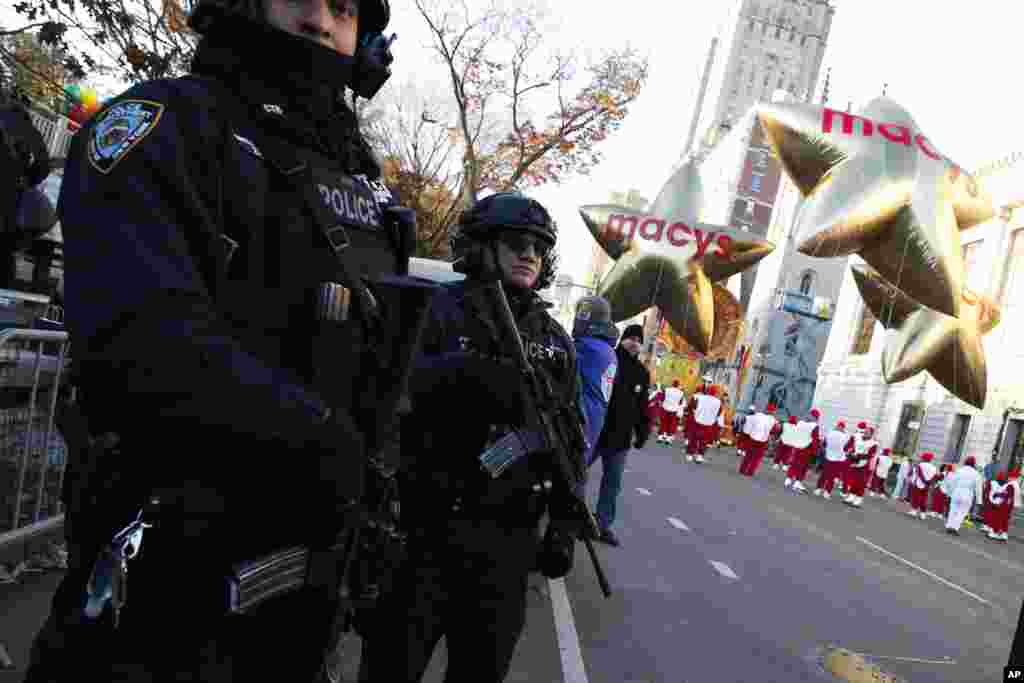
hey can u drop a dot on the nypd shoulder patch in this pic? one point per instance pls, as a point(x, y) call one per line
point(118, 129)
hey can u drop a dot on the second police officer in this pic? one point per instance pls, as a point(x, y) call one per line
point(474, 540)
point(220, 231)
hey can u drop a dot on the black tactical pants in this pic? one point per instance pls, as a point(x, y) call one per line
point(173, 630)
point(465, 580)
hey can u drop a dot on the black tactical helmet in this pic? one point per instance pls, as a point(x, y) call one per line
point(372, 58)
point(506, 211)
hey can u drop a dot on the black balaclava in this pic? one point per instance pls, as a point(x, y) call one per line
point(266, 65)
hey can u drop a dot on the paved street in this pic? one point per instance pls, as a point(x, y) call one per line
point(723, 579)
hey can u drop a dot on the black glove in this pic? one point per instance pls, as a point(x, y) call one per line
point(554, 559)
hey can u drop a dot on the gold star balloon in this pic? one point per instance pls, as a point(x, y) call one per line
point(876, 186)
point(948, 347)
point(666, 258)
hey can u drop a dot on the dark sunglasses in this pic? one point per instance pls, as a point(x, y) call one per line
point(519, 241)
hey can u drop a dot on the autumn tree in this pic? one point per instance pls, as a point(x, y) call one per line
point(522, 115)
point(33, 69)
point(405, 124)
point(133, 40)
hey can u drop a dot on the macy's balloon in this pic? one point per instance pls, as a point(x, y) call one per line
point(948, 348)
point(728, 326)
point(877, 187)
point(666, 258)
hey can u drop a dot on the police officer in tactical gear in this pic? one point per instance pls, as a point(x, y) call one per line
point(25, 212)
point(474, 539)
point(226, 237)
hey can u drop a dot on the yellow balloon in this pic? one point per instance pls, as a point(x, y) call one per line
point(88, 97)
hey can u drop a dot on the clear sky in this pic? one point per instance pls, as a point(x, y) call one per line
point(952, 65)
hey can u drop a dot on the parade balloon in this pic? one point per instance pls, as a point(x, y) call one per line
point(78, 114)
point(949, 348)
point(666, 258)
point(876, 186)
point(89, 98)
point(728, 325)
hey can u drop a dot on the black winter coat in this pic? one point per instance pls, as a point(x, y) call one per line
point(627, 410)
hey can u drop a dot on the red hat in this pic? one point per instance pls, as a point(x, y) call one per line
point(770, 409)
point(862, 425)
point(969, 460)
point(792, 419)
point(886, 451)
point(815, 413)
point(840, 425)
point(1015, 473)
point(927, 457)
point(1001, 476)
point(675, 383)
point(713, 391)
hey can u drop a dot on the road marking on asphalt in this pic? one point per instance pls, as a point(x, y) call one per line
point(644, 492)
point(925, 571)
point(944, 660)
point(678, 523)
point(724, 570)
point(573, 668)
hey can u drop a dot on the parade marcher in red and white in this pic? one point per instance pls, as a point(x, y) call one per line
point(759, 428)
point(783, 453)
point(671, 408)
point(865, 448)
point(846, 481)
point(689, 424)
point(741, 433)
point(804, 440)
point(706, 409)
point(883, 464)
point(1002, 495)
point(963, 487)
point(654, 408)
point(837, 445)
point(940, 501)
point(921, 477)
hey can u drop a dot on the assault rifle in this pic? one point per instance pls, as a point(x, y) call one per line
point(552, 425)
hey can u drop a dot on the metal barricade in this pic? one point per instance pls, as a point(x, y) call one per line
point(33, 455)
point(54, 129)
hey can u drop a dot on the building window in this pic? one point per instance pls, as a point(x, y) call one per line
point(1013, 285)
point(792, 35)
point(766, 81)
point(807, 283)
point(778, 31)
point(1010, 297)
point(764, 29)
point(755, 182)
point(803, 40)
point(750, 26)
point(780, 82)
point(865, 330)
point(974, 274)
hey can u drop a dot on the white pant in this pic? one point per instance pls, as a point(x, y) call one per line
point(958, 509)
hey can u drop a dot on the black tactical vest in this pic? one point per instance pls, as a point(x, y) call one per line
point(296, 228)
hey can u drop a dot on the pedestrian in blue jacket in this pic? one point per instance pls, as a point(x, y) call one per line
point(594, 336)
point(627, 424)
